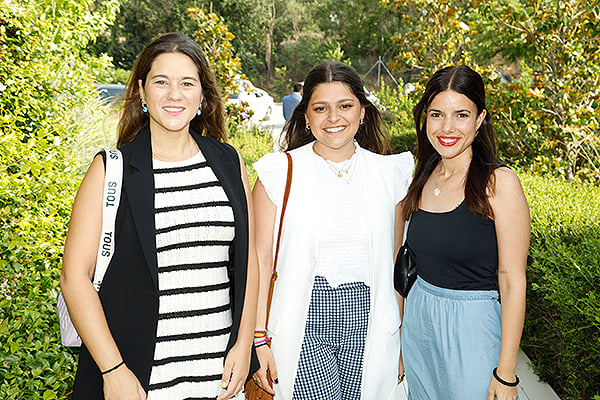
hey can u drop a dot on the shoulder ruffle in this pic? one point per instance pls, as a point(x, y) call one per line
point(272, 172)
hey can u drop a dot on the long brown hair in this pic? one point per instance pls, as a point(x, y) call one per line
point(463, 80)
point(370, 134)
point(212, 120)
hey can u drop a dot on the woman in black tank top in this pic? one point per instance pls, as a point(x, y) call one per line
point(469, 228)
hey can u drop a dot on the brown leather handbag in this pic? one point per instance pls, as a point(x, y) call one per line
point(251, 389)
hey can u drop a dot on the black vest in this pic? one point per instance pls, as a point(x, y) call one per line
point(129, 291)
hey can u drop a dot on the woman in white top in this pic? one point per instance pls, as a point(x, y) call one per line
point(334, 319)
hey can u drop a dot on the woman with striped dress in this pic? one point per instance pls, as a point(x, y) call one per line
point(175, 313)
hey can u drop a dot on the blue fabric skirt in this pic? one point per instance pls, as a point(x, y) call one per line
point(450, 342)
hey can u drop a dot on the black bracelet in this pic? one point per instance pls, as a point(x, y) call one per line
point(260, 344)
point(502, 381)
point(113, 368)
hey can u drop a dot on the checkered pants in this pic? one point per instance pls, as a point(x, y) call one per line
point(331, 357)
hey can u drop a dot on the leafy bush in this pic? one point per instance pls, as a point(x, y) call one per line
point(252, 143)
point(562, 328)
point(396, 110)
point(44, 86)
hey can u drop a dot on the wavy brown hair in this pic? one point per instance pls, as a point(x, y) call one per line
point(212, 120)
point(463, 80)
point(370, 134)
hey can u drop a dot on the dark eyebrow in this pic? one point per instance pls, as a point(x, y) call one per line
point(339, 102)
point(167, 77)
point(465, 110)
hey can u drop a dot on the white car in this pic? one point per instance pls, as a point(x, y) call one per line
point(256, 99)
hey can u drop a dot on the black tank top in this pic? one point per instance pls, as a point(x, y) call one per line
point(455, 249)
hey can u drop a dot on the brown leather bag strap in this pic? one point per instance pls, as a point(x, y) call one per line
point(286, 195)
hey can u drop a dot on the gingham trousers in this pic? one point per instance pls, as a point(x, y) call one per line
point(331, 356)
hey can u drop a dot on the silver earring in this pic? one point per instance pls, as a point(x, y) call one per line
point(144, 108)
point(362, 121)
point(199, 112)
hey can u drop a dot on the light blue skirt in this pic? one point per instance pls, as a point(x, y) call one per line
point(450, 342)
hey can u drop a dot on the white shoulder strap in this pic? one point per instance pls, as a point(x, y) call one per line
point(113, 181)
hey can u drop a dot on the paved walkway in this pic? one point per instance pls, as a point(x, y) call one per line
point(530, 387)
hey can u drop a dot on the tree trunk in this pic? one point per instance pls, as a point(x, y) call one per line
point(269, 42)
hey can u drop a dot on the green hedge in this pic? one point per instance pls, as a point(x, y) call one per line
point(45, 86)
point(562, 328)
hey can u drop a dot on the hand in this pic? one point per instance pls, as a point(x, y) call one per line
point(237, 365)
point(502, 392)
point(122, 384)
point(267, 368)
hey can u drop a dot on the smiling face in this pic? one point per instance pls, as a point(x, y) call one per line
point(172, 93)
point(334, 115)
point(452, 123)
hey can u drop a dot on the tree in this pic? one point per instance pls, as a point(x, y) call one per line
point(363, 28)
point(549, 118)
point(439, 34)
point(137, 24)
point(564, 37)
point(215, 39)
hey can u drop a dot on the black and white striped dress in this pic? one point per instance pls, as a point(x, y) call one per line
point(194, 231)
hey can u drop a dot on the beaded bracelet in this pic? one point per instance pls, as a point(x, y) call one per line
point(502, 381)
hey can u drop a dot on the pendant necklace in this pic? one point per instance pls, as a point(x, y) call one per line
point(438, 188)
point(342, 172)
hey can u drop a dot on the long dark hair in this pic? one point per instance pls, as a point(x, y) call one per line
point(212, 120)
point(370, 134)
point(463, 80)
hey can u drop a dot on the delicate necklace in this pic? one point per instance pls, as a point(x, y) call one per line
point(438, 188)
point(342, 172)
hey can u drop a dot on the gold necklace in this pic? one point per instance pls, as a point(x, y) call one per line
point(344, 170)
point(346, 167)
point(438, 188)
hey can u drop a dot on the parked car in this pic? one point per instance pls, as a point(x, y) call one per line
point(256, 99)
point(110, 94)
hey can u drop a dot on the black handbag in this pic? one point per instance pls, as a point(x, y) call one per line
point(405, 270)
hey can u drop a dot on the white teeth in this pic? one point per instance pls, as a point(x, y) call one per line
point(447, 140)
point(334, 130)
point(173, 109)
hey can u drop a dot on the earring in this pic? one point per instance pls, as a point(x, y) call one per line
point(307, 126)
point(362, 121)
point(144, 107)
point(199, 112)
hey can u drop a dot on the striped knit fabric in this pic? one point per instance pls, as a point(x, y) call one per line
point(194, 231)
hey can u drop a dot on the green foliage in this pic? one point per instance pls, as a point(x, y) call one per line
point(562, 328)
point(361, 28)
point(215, 39)
point(565, 37)
point(396, 110)
point(137, 23)
point(252, 143)
point(548, 119)
point(440, 34)
point(44, 78)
